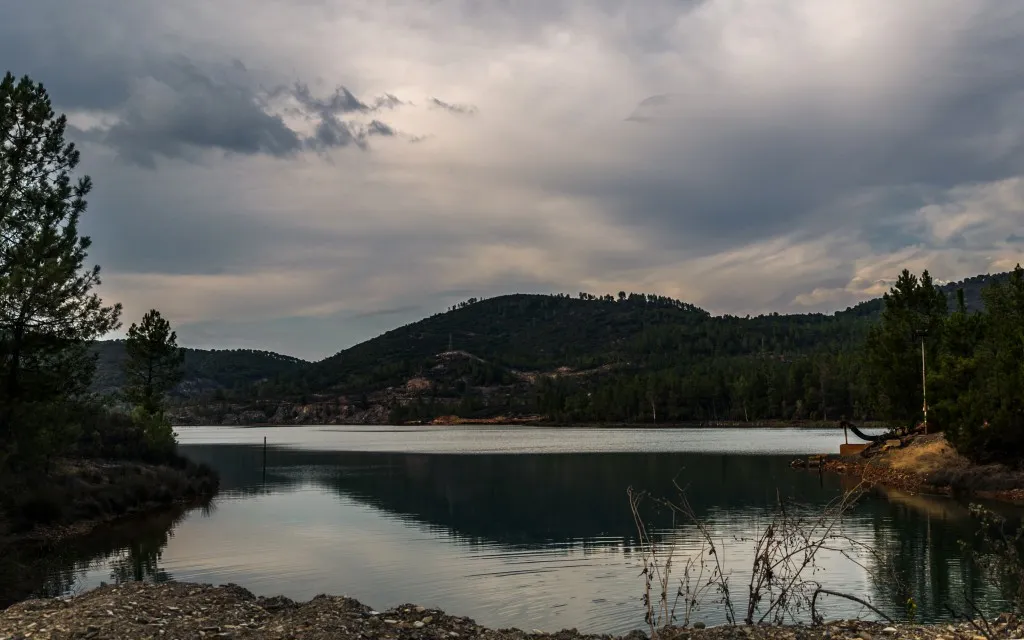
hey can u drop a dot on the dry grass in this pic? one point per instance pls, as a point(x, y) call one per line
point(925, 455)
point(928, 463)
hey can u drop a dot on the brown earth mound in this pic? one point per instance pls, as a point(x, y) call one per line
point(928, 463)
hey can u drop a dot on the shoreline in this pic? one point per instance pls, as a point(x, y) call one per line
point(187, 610)
point(548, 424)
point(928, 464)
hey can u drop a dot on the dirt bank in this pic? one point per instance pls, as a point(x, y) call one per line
point(182, 610)
point(929, 464)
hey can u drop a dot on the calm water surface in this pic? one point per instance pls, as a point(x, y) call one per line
point(512, 526)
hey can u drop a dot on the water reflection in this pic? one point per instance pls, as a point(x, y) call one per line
point(536, 541)
point(129, 550)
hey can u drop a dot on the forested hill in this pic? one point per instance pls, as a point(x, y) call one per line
point(528, 354)
point(204, 370)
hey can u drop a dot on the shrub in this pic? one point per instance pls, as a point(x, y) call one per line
point(43, 505)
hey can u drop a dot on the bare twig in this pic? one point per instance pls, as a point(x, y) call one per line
point(785, 554)
point(819, 590)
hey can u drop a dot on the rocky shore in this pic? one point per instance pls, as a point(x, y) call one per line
point(929, 464)
point(183, 610)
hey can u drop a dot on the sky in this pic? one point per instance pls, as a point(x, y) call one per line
point(302, 175)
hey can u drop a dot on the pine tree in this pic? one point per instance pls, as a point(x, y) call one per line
point(48, 311)
point(153, 363)
point(915, 310)
point(990, 418)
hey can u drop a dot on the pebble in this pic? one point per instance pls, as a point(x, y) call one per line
point(418, 624)
point(428, 619)
point(889, 630)
point(699, 625)
point(420, 609)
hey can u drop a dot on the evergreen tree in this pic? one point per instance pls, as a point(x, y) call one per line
point(48, 311)
point(987, 415)
point(153, 362)
point(915, 311)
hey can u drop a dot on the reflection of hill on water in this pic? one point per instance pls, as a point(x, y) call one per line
point(536, 500)
point(519, 499)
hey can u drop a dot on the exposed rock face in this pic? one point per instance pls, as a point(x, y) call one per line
point(327, 411)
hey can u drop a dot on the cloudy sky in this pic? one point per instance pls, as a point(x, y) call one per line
point(299, 175)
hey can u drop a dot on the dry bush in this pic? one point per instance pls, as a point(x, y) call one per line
point(782, 586)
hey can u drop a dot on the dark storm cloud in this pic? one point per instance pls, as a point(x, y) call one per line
point(458, 109)
point(175, 109)
point(178, 109)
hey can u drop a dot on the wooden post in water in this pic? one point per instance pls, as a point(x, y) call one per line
point(264, 459)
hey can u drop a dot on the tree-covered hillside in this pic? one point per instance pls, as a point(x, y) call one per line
point(203, 370)
point(588, 358)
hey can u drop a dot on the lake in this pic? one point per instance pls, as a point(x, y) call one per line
point(512, 526)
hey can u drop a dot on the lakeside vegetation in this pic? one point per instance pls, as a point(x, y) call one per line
point(65, 454)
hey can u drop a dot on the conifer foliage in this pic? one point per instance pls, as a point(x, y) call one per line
point(49, 312)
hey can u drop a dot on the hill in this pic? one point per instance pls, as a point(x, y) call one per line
point(205, 371)
point(528, 354)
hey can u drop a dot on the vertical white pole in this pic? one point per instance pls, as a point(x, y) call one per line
point(924, 390)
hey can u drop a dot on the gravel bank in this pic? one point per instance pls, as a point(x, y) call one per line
point(182, 610)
